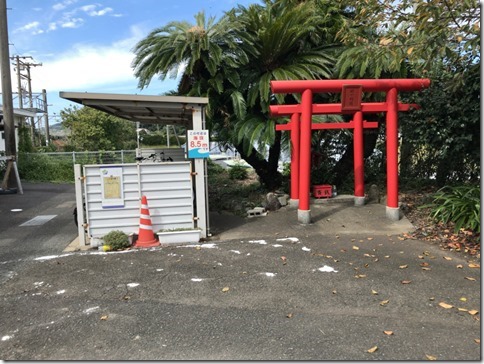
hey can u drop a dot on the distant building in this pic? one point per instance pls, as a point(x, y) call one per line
point(19, 116)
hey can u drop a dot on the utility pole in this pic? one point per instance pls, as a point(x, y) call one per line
point(46, 117)
point(23, 65)
point(11, 174)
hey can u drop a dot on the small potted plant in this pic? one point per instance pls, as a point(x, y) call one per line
point(116, 240)
point(179, 235)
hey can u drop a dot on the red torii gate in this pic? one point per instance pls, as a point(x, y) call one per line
point(301, 126)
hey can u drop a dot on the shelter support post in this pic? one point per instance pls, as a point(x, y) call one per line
point(359, 169)
point(200, 183)
point(392, 210)
point(295, 152)
point(78, 180)
point(304, 213)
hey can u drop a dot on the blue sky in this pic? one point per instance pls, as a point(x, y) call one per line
point(86, 45)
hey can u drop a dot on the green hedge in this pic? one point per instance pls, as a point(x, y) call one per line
point(43, 168)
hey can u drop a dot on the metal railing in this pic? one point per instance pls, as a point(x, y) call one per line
point(98, 157)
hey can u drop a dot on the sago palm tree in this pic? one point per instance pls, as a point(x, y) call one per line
point(193, 50)
point(232, 62)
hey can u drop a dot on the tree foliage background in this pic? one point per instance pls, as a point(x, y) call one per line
point(91, 129)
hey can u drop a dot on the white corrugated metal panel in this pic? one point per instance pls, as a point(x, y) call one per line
point(167, 187)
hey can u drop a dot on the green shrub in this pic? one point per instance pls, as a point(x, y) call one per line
point(43, 168)
point(238, 172)
point(117, 240)
point(460, 205)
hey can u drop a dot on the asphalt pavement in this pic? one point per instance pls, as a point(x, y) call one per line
point(349, 286)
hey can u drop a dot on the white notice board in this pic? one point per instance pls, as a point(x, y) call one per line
point(112, 187)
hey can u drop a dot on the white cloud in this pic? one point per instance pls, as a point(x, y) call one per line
point(62, 5)
point(91, 10)
point(84, 68)
point(72, 23)
point(91, 68)
point(30, 26)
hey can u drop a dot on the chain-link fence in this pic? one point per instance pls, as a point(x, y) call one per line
point(98, 157)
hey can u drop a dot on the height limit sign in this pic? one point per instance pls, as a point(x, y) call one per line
point(198, 144)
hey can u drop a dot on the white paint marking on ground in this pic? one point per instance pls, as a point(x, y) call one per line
point(269, 274)
point(294, 240)
point(38, 284)
point(16, 210)
point(197, 279)
point(159, 269)
point(206, 246)
point(6, 337)
point(327, 269)
point(261, 242)
point(277, 245)
point(235, 251)
point(61, 291)
point(48, 257)
point(306, 249)
point(38, 220)
point(132, 285)
point(91, 309)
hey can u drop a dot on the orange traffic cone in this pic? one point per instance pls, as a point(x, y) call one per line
point(146, 238)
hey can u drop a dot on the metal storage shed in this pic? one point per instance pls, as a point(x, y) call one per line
point(170, 110)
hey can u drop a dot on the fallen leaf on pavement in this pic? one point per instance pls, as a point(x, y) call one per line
point(463, 309)
point(374, 292)
point(477, 341)
point(383, 303)
point(460, 266)
point(445, 305)
point(369, 238)
point(388, 333)
point(470, 278)
point(463, 299)
point(373, 349)
point(425, 268)
point(424, 264)
point(104, 317)
point(284, 260)
point(355, 247)
point(447, 258)
point(403, 266)
point(472, 265)
point(473, 312)
point(225, 289)
point(406, 282)
point(430, 357)
point(289, 315)
point(360, 276)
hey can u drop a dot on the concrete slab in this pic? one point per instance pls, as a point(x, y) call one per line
point(328, 218)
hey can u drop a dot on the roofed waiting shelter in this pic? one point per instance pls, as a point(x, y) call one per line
point(163, 110)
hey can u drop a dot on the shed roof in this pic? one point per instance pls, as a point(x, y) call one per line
point(143, 108)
